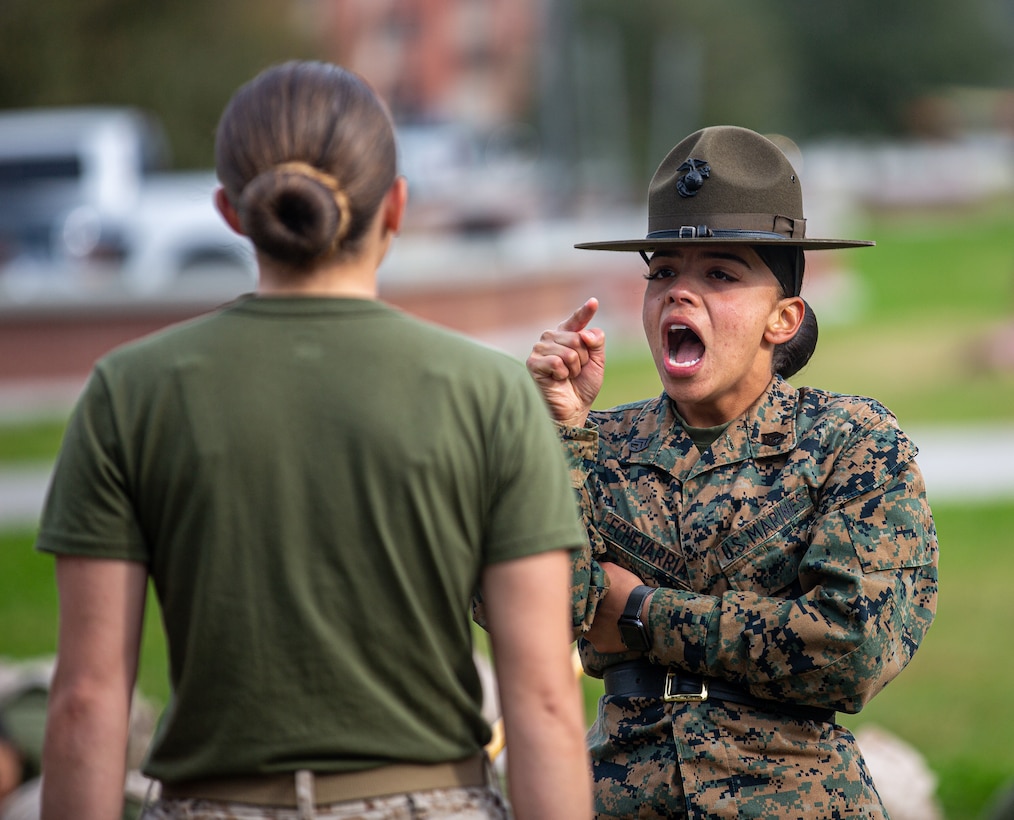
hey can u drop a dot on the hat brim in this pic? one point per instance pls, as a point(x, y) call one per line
point(652, 245)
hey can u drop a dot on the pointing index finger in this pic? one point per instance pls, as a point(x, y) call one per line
point(580, 318)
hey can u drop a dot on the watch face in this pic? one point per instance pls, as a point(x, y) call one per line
point(632, 632)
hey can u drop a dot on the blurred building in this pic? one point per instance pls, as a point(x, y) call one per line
point(462, 78)
point(471, 60)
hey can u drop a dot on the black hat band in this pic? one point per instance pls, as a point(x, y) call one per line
point(733, 226)
point(704, 232)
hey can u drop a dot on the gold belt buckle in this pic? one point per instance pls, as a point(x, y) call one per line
point(683, 697)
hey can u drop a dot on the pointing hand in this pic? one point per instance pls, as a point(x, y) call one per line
point(568, 364)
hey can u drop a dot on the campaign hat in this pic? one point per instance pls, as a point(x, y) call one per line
point(724, 184)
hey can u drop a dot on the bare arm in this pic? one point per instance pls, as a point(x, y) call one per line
point(528, 609)
point(604, 633)
point(84, 756)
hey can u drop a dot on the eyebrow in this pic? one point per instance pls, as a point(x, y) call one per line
point(727, 256)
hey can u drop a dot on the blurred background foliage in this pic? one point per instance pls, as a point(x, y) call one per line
point(806, 69)
point(180, 60)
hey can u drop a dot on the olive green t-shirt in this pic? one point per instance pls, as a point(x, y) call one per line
point(315, 486)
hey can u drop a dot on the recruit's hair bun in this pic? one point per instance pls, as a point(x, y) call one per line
point(295, 213)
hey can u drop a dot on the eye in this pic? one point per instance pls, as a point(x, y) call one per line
point(722, 275)
point(660, 273)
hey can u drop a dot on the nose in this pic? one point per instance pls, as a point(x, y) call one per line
point(680, 292)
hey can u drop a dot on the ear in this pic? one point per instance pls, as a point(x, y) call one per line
point(394, 205)
point(228, 212)
point(785, 320)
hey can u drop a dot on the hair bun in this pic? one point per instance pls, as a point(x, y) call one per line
point(295, 213)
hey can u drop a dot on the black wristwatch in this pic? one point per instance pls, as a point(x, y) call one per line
point(632, 629)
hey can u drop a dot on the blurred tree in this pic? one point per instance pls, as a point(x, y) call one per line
point(686, 65)
point(808, 68)
point(623, 78)
point(179, 60)
point(861, 67)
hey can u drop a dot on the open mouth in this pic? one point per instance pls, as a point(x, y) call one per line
point(685, 347)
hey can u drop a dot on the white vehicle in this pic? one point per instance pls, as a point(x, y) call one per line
point(178, 241)
point(84, 197)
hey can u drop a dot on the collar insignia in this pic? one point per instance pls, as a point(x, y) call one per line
point(638, 445)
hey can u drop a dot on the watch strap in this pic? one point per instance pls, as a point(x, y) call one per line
point(632, 629)
point(632, 611)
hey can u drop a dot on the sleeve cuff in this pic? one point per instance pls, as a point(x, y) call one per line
point(679, 622)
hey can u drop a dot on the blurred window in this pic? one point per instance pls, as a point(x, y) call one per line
point(41, 169)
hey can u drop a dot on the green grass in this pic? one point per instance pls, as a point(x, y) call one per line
point(23, 442)
point(958, 264)
point(935, 286)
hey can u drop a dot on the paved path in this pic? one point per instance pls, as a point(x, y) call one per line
point(967, 465)
point(959, 465)
point(22, 490)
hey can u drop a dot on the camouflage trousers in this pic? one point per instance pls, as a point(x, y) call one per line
point(634, 765)
point(467, 803)
point(702, 761)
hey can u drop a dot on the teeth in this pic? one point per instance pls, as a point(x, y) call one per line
point(674, 363)
point(675, 328)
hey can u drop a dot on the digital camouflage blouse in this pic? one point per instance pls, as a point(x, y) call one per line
point(796, 557)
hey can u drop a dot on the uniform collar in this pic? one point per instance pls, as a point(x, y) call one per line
point(767, 429)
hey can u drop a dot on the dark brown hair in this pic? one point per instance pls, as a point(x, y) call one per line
point(787, 265)
point(306, 153)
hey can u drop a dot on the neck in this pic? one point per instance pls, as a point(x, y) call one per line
point(352, 278)
point(335, 281)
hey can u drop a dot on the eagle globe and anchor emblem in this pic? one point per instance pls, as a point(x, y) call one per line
point(694, 171)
